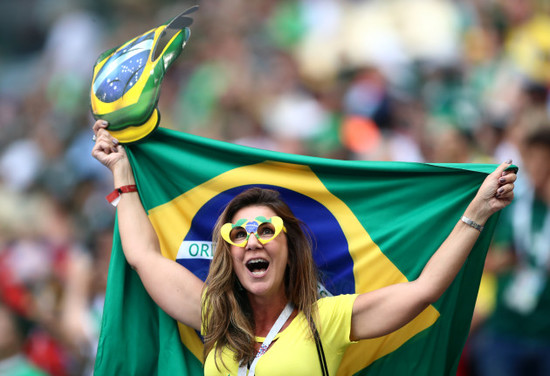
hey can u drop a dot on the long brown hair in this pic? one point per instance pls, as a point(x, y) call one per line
point(228, 319)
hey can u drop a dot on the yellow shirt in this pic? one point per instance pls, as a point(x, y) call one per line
point(294, 352)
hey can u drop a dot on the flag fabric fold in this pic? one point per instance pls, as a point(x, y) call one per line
point(373, 223)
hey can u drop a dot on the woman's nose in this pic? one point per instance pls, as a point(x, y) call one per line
point(253, 242)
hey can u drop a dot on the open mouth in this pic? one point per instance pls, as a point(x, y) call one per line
point(257, 266)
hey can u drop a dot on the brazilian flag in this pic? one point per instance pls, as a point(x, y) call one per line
point(375, 223)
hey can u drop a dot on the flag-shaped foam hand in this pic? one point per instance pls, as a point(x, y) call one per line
point(126, 79)
point(374, 223)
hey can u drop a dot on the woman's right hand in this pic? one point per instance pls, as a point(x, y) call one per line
point(163, 278)
point(106, 149)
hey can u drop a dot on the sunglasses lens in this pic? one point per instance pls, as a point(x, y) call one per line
point(266, 231)
point(238, 235)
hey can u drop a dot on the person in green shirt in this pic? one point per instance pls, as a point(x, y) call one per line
point(516, 337)
point(13, 361)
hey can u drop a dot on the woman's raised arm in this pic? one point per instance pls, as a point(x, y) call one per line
point(385, 310)
point(174, 288)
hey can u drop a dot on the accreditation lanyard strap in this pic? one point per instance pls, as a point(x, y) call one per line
point(285, 314)
point(531, 243)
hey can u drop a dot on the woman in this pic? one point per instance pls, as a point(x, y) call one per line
point(262, 280)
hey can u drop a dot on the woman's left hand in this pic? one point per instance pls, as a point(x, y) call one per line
point(496, 192)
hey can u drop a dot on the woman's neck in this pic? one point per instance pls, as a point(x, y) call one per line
point(266, 311)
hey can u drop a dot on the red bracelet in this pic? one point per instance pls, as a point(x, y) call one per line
point(114, 196)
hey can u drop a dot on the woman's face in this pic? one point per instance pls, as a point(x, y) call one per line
point(260, 267)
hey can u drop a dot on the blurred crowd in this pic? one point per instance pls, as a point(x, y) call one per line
point(396, 80)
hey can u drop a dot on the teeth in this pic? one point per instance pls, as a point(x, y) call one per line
point(258, 265)
point(256, 261)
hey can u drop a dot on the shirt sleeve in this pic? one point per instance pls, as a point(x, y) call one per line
point(335, 321)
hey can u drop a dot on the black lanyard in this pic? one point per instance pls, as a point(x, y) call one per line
point(321, 353)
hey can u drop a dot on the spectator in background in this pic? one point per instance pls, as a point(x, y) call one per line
point(516, 337)
point(13, 362)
